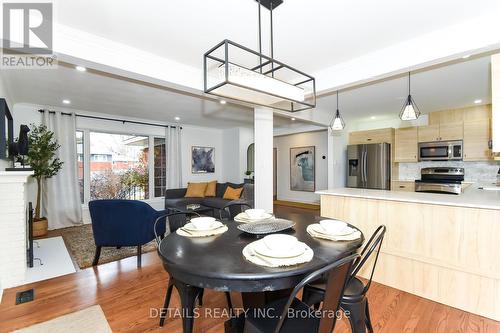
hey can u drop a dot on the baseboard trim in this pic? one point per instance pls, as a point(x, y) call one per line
point(296, 204)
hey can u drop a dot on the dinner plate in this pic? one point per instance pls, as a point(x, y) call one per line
point(261, 249)
point(319, 229)
point(262, 228)
point(190, 226)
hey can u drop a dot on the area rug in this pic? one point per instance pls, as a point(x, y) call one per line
point(91, 319)
point(80, 242)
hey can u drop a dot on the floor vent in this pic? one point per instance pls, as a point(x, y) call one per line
point(25, 296)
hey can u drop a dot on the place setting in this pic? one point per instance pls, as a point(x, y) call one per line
point(278, 250)
point(334, 230)
point(204, 226)
point(258, 222)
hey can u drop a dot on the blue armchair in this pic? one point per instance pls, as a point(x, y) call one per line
point(123, 223)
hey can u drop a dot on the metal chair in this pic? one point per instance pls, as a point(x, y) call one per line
point(158, 239)
point(354, 300)
point(231, 208)
point(304, 321)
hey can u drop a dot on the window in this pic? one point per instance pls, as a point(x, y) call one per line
point(79, 161)
point(118, 166)
point(160, 167)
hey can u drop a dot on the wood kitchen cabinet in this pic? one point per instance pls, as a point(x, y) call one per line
point(451, 131)
point(372, 136)
point(477, 136)
point(441, 132)
point(406, 145)
point(428, 133)
point(403, 185)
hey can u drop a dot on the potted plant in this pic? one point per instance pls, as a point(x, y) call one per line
point(42, 159)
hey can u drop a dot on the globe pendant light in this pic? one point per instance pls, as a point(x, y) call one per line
point(337, 123)
point(410, 109)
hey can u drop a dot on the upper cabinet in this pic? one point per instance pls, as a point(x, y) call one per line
point(477, 136)
point(406, 146)
point(428, 133)
point(446, 131)
point(371, 136)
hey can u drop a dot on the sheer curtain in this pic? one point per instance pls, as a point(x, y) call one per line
point(174, 156)
point(61, 194)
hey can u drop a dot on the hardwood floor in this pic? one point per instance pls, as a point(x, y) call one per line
point(127, 295)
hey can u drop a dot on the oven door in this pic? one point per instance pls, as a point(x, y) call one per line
point(433, 152)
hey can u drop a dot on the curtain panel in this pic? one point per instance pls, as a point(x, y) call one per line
point(61, 202)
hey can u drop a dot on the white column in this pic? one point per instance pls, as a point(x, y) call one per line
point(263, 134)
point(13, 264)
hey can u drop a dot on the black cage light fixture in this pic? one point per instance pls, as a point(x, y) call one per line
point(337, 123)
point(410, 110)
point(236, 72)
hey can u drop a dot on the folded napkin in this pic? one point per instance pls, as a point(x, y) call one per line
point(206, 233)
point(250, 255)
point(310, 230)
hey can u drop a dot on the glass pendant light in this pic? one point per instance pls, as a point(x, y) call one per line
point(337, 123)
point(410, 109)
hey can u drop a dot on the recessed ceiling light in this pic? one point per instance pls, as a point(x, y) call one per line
point(373, 117)
point(293, 119)
point(466, 56)
point(80, 68)
point(478, 101)
point(222, 102)
point(66, 101)
point(177, 118)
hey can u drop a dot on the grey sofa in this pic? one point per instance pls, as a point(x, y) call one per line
point(175, 200)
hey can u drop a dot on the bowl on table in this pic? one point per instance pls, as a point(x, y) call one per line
point(203, 223)
point(333, 227)
point(280, 243)
point(255, 213)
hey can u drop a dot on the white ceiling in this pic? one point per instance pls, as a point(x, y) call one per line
point(309, 34)
point(453, 86)
point(97, 92)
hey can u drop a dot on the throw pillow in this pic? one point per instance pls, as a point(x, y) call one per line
point(210, 191)
point(196, 190)
point(232, 193)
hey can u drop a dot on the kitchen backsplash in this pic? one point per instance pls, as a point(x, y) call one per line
point(474, 171)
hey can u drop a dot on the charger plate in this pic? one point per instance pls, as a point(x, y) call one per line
point(267, 227)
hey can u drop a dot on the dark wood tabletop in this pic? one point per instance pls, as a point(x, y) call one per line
point(217, 262)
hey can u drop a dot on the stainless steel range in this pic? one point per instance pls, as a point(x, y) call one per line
point(440, 180)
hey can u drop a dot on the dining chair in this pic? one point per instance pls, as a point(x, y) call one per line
point(354, 300)
point(233, 208)
point(295, 316)
point(158, 238)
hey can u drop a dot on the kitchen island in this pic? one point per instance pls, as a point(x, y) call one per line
point(439, 246)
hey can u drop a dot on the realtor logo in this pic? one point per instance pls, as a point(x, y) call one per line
point(27, 28)
point(27, 36)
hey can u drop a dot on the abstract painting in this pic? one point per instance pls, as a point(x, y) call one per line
point(302, 169)
point(202, 159)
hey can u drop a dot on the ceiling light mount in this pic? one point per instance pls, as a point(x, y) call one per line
point(270, 4)
point(410, 110)
point(236, 72)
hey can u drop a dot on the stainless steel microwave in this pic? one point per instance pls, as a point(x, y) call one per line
point(440, 151)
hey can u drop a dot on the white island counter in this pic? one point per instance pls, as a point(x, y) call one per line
point(472, 196)
point(439, 246)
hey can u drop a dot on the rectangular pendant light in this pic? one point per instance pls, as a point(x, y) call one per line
point(236, 72)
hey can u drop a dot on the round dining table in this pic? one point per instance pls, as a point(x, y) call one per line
point(217, 262)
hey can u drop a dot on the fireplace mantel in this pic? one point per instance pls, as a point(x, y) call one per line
point(13, 227)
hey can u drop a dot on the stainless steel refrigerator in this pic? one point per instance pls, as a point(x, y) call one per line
point(369, 166)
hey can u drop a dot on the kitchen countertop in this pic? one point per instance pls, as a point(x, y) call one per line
point(471, 197)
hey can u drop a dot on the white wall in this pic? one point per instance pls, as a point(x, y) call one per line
point(283, 144)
